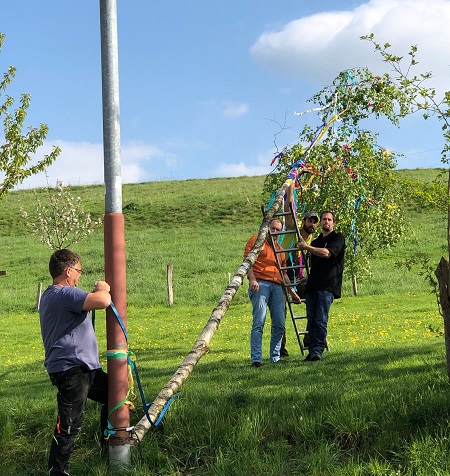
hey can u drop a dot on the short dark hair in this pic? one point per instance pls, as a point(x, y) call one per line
point(329, 211)
point(61, 260)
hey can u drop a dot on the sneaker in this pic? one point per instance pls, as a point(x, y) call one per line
point(315, 357)
point(307, 358)
point(284, 353)
point(257, 365)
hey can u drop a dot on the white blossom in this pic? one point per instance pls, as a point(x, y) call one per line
point(60, 222)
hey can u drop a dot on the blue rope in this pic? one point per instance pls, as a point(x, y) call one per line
point(119, 320)
point(132, 363)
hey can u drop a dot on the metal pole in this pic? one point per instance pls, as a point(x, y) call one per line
point(114, 238)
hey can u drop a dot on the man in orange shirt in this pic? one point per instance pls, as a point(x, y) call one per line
point(265, 291)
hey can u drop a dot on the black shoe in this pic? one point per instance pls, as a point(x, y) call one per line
point(257, 365)
point(307, 358)
point(315, 357)
point(284, 353)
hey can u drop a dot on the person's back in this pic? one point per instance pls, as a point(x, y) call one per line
point(67, 331)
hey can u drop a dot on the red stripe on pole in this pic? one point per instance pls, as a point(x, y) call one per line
point(115, 275)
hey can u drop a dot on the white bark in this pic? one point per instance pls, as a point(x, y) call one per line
point(202, 344)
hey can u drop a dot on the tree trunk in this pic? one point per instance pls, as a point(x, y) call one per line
point(202, 344)
point(442, 273)
point(355, 285)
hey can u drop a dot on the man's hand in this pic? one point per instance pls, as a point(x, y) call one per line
point(101, 286)
point(99, 298)
point(253, 285)
point(301, 243)
point(294, 296)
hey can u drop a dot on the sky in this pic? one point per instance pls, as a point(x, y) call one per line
point(205, 85)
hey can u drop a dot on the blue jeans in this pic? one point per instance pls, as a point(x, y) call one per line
point(317, 307)
point(74, 387)
point(270, 295)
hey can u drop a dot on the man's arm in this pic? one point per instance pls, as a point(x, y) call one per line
point(320, 252)
point(294, 296)
point(288, 220)
point(334, 247)
point(99, 298)
point(253, 284)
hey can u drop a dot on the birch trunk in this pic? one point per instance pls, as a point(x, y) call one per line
point(202, 343)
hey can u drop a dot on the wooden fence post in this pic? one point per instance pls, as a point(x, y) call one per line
point(38, 297)
point(169, 283)
point(355, 285)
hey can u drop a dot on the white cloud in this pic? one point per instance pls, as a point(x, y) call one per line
point(81, 163)
point(236, 110)
point(260, 166)
point(240, 169)
point(318, 47)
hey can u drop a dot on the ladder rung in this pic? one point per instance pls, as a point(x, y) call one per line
point(297, 266)
point(287, 250)
point(282, 214)
point(292, 285)
point(283, 232)
point(296, 302)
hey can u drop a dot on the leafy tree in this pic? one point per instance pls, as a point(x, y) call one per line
point(18, 148)
point(342, 168)
point(416, 97)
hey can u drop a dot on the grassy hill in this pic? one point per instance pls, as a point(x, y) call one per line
point(376, 405)
point(198, 226)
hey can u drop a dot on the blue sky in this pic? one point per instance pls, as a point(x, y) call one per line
point(203, 83)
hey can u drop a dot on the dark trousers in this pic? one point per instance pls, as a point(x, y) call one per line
point(74, 386)
point(317, 308)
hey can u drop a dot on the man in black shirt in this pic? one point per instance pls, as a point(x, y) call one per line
point(324, 281)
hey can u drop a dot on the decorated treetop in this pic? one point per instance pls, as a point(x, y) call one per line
point(339, 166)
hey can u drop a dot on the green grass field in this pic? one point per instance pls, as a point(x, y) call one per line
point(378, 404)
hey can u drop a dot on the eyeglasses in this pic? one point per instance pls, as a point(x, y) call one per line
point(79, 271)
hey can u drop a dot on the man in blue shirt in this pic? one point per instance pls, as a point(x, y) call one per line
point(71, 351)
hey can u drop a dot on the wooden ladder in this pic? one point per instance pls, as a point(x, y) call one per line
point(297, 319)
